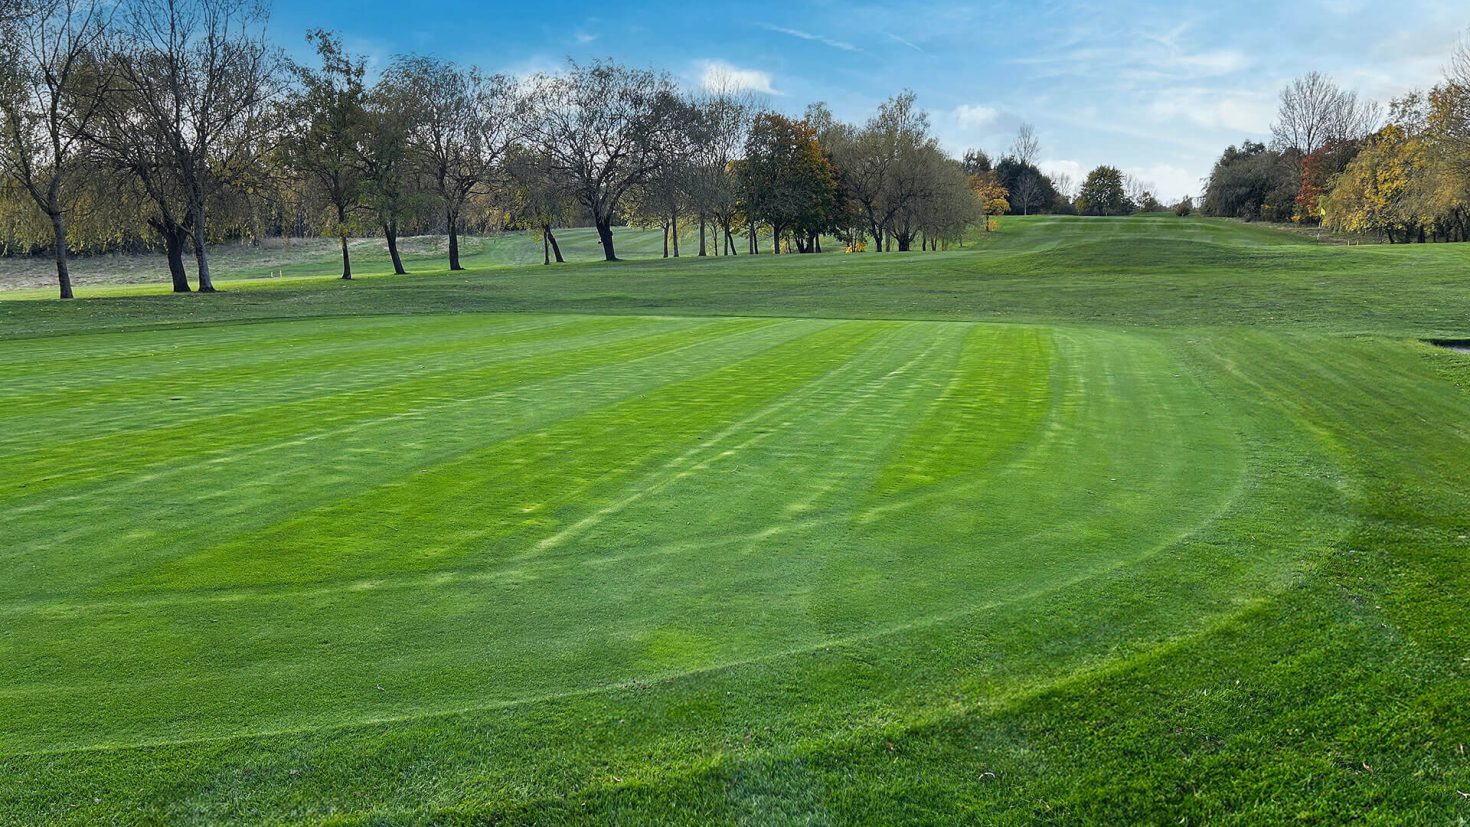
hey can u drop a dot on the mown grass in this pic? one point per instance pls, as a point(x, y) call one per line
point(1128, 556)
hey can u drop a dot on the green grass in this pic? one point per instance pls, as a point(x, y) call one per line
point(1134, 521)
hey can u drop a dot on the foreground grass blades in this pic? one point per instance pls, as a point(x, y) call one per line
point(530, 567)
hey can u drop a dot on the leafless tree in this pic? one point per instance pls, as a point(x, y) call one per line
point(721, 120)
point(1134, 188)
point(197, 83)
point(880, 164)
point(1315, 111)
point(1065, 185)
point(605, 127)
point(463, 125)
point(1457, 93)
point(48, 101)
point(1027, 146)
point(1030, 191)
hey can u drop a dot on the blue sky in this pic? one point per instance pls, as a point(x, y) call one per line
point(1157, 88)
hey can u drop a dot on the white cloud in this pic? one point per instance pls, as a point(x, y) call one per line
point(1167, 182)
point(975, 115)
point(718, 75)
point(1245, 110)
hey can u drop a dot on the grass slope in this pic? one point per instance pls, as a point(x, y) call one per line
point(277, 259)
point(1153, 271)
point(387, 563)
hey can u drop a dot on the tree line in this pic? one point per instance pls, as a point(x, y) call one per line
point(174, 124)
point(1400, 173)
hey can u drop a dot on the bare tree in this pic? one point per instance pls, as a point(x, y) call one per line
point(880, 164)
point(721, 119)
point(605, 127)
point(1027, 147)
point(48, 99)
point(1138, 191)
point(1457, 75)
point(1030, 191)
point(1065, 185)
point(383, 157)
point(1315, 111)
point(463, 124)
point(199, 78)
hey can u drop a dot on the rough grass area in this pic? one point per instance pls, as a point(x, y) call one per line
point(1083, 546)
point(278, 258)
point(1152, 271)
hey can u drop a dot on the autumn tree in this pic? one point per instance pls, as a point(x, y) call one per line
point(49, 100)
point(1319, 169)
point(787, 181)
point(993, 198)
point(1373, 194)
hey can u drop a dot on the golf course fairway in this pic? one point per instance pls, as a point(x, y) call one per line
point(956, 545)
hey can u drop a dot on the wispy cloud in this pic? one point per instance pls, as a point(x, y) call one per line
point(817, 38)
point(896, 39)
point(717, 76)
point(584, 37)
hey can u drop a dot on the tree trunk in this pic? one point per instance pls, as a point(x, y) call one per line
point(453, 216)
point(674, 229)
point(605, 236)
point(390, 233)
point(63, 271)
point(775, 240)
point(545, 246)
point(666, 240)
point(701, 235)
point(173, 243)
point(342, 229)
point(555, 248)
point(201, 256)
